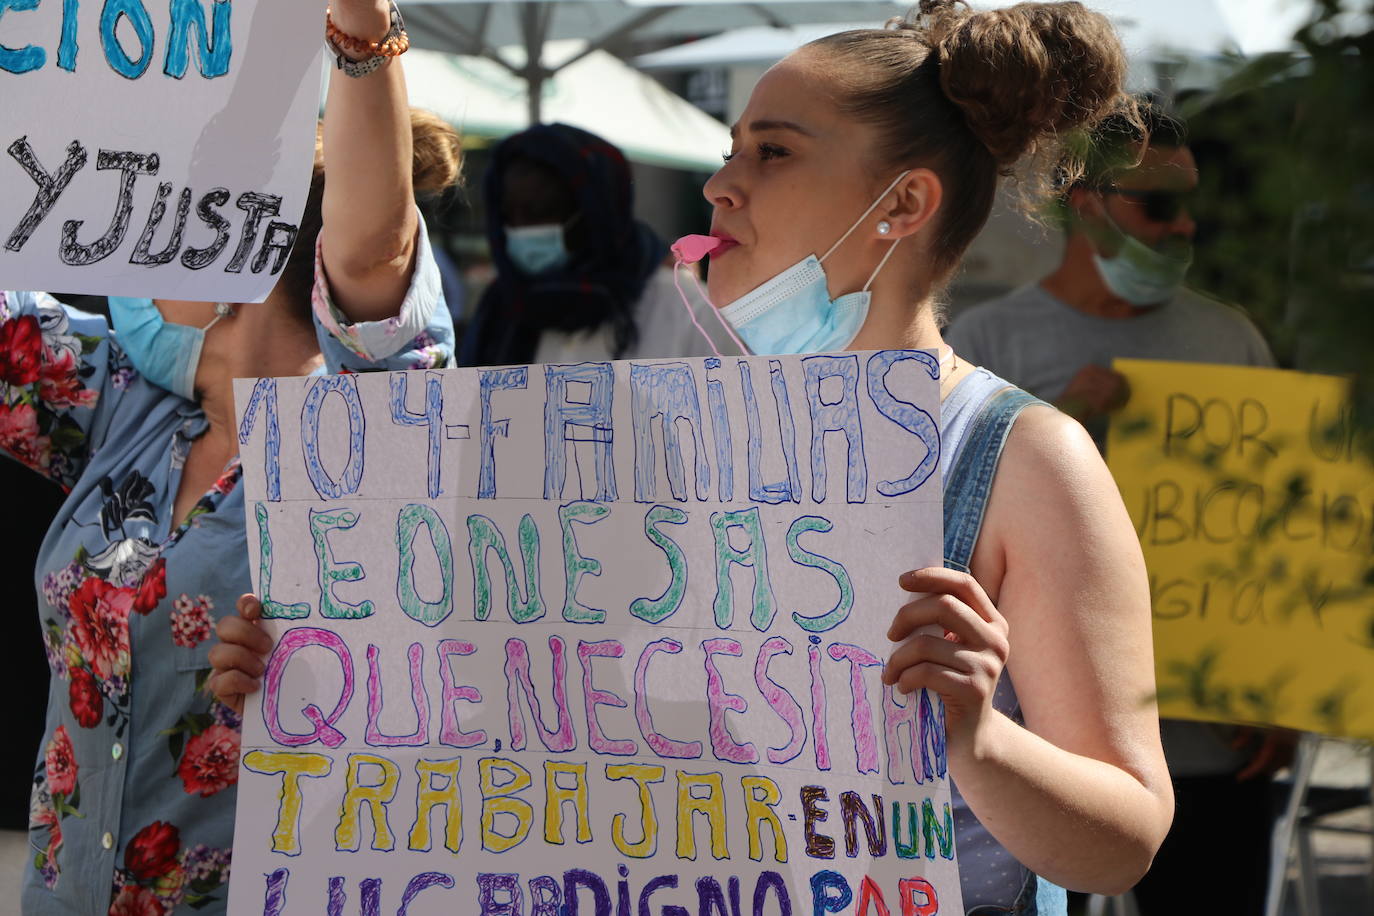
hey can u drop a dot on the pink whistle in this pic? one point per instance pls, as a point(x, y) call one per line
point(692, 248)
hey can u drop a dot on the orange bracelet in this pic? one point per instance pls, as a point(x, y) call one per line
point(395, 43)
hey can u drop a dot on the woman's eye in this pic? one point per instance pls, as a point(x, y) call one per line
point(726, 157)
point(769, 151)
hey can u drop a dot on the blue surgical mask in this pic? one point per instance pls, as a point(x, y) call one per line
point(164, 353)
point(793, 311)
point(1142, 275)
point(538, 249)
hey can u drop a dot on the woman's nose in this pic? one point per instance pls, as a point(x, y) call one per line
point(721, 190)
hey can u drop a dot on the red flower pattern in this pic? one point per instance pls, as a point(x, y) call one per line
point(152, 588)
point(136, 901)
point(21, 350)
point(153, 851)
point(84, 696)
point(19, 435)
point(60, 385)
point(60, 760)
point(191, 621)
point(100, 613)
point(211, 761)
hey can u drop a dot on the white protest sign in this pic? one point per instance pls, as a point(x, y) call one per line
point(155, 147)
point(593, 639)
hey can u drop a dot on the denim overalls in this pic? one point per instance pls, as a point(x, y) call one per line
point(974, 422)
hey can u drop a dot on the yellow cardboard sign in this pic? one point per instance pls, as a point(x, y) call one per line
point(1254, 503)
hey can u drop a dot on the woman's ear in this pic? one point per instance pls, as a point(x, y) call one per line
point(915, 201)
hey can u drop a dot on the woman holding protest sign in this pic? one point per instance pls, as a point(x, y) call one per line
point(1061, 776)
point(133, 796)
point(882, 148)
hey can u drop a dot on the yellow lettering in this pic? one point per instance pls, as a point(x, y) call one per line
point(643, 775)
point(292, 765)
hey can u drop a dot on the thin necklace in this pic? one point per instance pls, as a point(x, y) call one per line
point(947, 362)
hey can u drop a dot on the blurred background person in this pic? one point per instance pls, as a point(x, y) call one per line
point(1118, 293)
point(1118, 289)
point(577, 276)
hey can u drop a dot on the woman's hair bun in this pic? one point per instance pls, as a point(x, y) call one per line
point(437, 159)
point(1024, 73)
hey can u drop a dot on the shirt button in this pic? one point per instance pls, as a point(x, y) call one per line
point(117, 750)
point(107, 840)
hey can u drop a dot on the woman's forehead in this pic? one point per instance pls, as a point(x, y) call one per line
point(794, 93)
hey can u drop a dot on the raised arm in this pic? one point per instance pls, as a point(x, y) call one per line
point(368, 241)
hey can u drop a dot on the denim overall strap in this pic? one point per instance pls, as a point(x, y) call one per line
point(970, 479)
point(967, 487)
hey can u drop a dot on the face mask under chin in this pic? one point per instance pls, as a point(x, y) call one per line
point(164, 353)
point(792, 312)
point(1141, 275)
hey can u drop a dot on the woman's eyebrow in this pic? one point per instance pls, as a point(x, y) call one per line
point(766, 125)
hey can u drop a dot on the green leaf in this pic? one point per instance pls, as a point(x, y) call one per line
point(200, 903)
point(199, 722)
point(88, 343)
point(174, 744)
point(40, 860)
point(67, 438)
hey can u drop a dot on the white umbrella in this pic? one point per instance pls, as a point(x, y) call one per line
point(1148, 29)
point(756, 45)
point(596, 92)
point(483, 28)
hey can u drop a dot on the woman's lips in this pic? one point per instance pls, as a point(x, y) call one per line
point(726, 243)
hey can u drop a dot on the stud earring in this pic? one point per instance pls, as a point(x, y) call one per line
point(884, 227)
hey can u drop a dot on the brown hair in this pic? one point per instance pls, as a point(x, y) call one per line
point(970, 94)
point(436, 164)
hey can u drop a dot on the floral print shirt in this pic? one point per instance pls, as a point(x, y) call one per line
point(132, 810)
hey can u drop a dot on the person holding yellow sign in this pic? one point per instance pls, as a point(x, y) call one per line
point(1118, 292)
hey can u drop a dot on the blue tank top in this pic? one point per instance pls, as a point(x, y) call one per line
point(975, 419)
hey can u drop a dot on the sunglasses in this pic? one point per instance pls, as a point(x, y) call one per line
point(1159, 206)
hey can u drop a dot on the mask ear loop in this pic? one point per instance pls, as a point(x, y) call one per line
point(222, 310)
point(859, 222)
point(877, 270)
point(691, 312)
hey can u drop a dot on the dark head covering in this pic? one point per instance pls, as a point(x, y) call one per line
point(604, 280)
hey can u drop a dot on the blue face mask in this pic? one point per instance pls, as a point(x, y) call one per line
point(537, 250)
point(793, 311)
point(1142, 275)
point(164, 353)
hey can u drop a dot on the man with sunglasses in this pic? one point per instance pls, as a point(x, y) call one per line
point(1118, 292)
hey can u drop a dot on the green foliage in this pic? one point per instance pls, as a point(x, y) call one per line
point(1286, 208)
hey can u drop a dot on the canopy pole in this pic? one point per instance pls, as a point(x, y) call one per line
point(535, 26)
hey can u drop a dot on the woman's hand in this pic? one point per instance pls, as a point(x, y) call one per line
point(238, 657)
point(963, 661)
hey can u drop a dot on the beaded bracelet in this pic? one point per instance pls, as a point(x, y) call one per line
point(393, 44)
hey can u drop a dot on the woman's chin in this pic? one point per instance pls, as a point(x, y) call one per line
point(723, 288)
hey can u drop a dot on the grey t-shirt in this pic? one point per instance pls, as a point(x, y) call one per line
point(1039, 342)
point(1035, 340)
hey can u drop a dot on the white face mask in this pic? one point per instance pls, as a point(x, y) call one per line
point(1142, 275)
point(793, 311)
